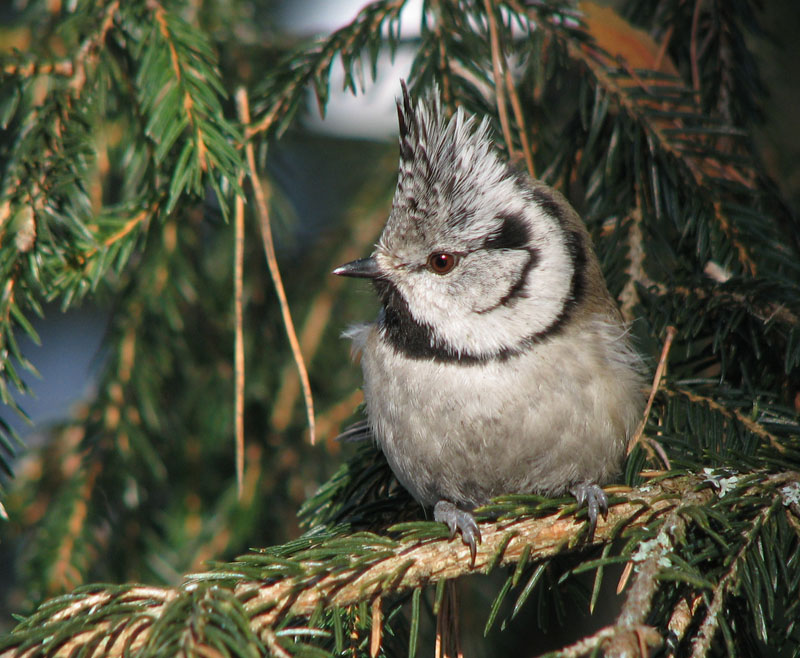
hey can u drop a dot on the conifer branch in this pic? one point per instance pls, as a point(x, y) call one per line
point(106, 173)
point(73, 68)
point(702, 641)
point(733, 414)
point(392, 567)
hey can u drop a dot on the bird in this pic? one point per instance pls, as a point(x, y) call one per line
point(499, 363)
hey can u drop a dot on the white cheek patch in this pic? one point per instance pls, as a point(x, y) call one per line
point(489, 293)
point(468, 318)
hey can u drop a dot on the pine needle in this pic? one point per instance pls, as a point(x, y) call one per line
point(662, 364)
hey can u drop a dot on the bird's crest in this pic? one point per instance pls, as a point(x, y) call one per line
point(442, 159)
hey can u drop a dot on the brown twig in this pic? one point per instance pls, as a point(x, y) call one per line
point(693, 48)
point(513, 96)
point(272, 262)
point(662, 364)
point(448, 638)
point(63, 574)
point(317, 320)
point(160, 16)
point(377, 628)
point(238, 368)
point(635, 270)
point(702, 640)
point(497, 69)
point(74, 68)
point(662, 50)
point(682, 615)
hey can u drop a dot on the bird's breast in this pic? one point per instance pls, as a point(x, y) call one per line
point(537, 422)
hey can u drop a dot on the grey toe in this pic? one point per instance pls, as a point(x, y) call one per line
point(459, 520)
point(589, 494)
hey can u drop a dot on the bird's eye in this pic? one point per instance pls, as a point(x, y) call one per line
point(442, 263)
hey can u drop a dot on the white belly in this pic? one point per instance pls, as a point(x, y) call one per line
point(539, 422)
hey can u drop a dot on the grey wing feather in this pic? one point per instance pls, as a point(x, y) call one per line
point(360, 431)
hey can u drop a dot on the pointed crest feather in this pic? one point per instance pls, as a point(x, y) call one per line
point(442, 159)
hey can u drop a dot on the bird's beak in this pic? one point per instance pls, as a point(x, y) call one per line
point(364, 268)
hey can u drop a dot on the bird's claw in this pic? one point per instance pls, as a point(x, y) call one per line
point(594, 498)
point(459, 520)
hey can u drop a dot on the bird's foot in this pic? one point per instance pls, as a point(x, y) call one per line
point(459, 520)
point(594, 498)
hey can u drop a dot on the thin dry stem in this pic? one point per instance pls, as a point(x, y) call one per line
point(320, 309)
point(662, 364)
point(623, 579)
point(516, 105)
point(238, 395)
point(262, 209)
point(448, 637)
point(63, 573)
point(662, 49)
point(377, 628)
point(693, 47)
point(497, 70)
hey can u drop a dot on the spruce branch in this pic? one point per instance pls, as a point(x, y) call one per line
point(311, 67)
point(734, 414)
point(385, 567)
point(656, 521)
point(674, 127)
point(683, 219)
point(73, 68)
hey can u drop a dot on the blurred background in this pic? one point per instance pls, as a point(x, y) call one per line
point(324, 162)
point(331, 180)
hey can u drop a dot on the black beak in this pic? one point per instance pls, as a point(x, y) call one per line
point(363, 268)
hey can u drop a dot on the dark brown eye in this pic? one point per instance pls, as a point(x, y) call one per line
point(442, 263)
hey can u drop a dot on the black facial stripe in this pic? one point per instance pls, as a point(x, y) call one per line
point(416, 340)
point(577, 255)
point(513, 234)
point(518, 289)
point(576, 250)
point(575, 241)
point(410, 337)
point(547, 202)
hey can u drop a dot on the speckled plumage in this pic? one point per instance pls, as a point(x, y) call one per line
point(512, 371)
